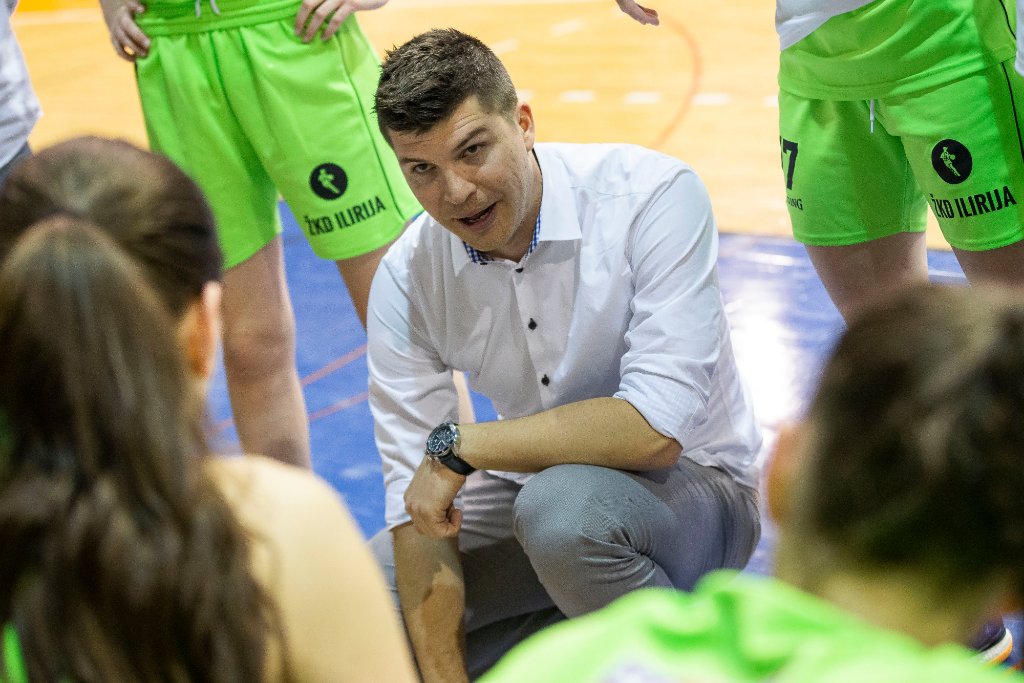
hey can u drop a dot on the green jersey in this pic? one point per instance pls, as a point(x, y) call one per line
point(895, 47)
point(733, 628)
point(12, 669)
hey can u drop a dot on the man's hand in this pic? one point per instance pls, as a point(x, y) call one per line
point(316, 12)
point(128, 40)
point(429, 500)
point(641, 14)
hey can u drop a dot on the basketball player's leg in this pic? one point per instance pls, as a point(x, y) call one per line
point(344, 186)
point(1001, 266)
point(357, 273)
point(856, 274)
point(194, 74)
point(259, 359)
point(969, 161)
point(851, 198)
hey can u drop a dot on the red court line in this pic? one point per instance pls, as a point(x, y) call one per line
point(334, 365)
point(339, 406)
point(314, 376)
point(698, 71)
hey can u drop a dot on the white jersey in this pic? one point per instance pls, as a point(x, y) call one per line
point(19, 108)
point(797, 19)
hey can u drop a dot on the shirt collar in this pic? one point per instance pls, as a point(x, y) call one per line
point(482, 258)
point(557, 214)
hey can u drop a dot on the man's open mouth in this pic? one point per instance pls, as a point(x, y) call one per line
point(477, 217)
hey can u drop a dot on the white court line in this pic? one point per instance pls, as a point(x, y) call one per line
point(503, 47)
point(642, 98)
point(578, 96)
point(567, 27)
point(771, 101)
point(524, 95)
point(712, 99)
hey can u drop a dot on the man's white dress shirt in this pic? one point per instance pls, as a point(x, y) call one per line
point(620, 298)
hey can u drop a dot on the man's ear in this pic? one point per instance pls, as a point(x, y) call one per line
point(524, 118)
point(783, 467)
point(200, 331)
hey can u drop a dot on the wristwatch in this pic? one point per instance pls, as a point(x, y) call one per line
point(442, 444)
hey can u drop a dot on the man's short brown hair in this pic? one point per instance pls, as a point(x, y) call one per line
point(426, 79)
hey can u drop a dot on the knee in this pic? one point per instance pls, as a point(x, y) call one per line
point(558, 517)
point(256, 348)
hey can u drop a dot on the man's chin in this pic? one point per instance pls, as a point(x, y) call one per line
point(483, 248)
point(479, 242)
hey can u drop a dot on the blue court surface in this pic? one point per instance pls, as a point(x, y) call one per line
point(783, 327)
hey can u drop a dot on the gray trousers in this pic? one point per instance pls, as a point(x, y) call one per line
point(575, 537)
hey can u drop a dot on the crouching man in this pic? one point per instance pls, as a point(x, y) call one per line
point(577, 287)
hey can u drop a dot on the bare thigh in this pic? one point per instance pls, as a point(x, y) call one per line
point(857, 274)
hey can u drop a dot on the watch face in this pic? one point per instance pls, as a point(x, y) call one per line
point(441, 439)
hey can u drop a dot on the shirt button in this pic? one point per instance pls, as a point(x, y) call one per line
point(545, 381)
point(532, 324)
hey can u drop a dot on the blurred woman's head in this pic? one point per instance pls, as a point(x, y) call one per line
point(145, 203)
point(122, 560)
point(912, 455)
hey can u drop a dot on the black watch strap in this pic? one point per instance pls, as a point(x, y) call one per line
point(455, 464)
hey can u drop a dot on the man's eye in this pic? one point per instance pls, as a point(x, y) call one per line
point(420, 168)
point(473, 149)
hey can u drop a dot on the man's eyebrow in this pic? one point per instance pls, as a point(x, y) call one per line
point(462, 143)
point(470, 135)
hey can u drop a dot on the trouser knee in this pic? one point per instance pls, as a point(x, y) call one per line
point(558, 524)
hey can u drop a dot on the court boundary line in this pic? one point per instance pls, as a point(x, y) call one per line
point(698, 72)
point(338, 363)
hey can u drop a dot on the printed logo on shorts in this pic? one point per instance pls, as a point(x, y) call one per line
point(952, 161)
point(328, 181)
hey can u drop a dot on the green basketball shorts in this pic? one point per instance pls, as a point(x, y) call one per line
point(249, 111)
point(957, 148)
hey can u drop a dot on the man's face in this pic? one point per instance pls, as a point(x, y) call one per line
point(474, 173)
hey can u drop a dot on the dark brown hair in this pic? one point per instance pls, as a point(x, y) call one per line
point(121, 560)
point(426, 79)
point(142, 200)
point(916, 437)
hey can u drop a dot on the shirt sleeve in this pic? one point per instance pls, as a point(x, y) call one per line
point(411, 389)
point(677, 328)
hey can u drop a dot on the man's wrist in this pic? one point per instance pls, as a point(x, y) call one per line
point(443, 447)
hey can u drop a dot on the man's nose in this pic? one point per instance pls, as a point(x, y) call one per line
point(457, 188)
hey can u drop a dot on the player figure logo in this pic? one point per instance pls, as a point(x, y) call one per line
point(952, 161)
point(946, 157)
point(328, 181)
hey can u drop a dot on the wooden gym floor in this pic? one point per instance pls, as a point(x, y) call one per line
point(700, 87)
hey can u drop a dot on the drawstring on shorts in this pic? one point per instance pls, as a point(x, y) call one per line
point(213, 6)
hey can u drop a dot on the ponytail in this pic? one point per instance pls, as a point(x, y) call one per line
point(121, 560)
